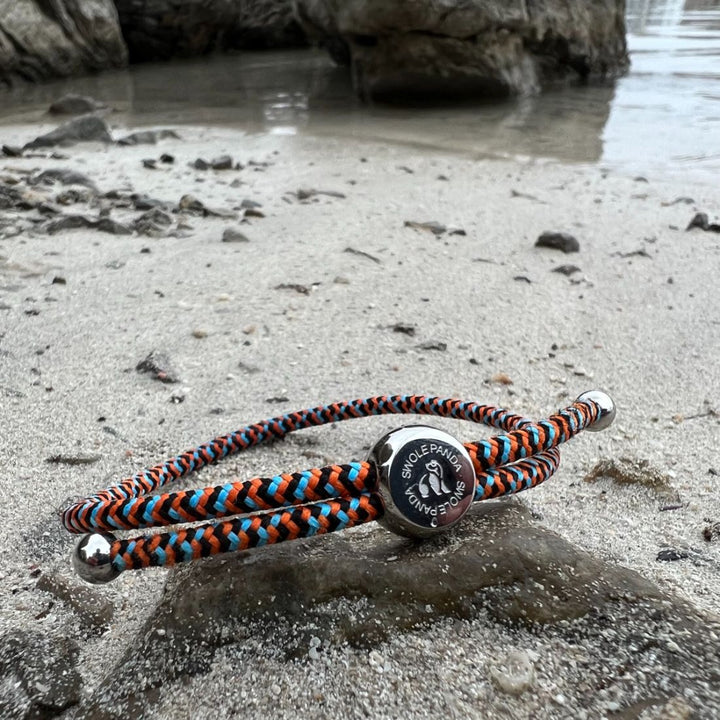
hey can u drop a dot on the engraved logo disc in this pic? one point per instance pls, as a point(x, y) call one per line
point(426, 480)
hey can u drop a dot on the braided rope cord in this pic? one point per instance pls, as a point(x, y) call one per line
point(315, 501)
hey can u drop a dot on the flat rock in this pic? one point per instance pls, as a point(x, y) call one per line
point(148, 137)
point(558, 241)
point(365, 586)
point(496, 558)
point(75, 105)
point(419, 49)
point(87, 128)
point(496, 554)
point(437, 345)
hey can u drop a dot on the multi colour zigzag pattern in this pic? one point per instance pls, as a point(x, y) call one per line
point(315, 501)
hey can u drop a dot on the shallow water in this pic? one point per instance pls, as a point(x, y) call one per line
point(662, 119)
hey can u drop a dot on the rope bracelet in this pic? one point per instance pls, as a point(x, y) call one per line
point(417, 481)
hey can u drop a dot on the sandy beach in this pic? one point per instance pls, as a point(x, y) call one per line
point(303, 312)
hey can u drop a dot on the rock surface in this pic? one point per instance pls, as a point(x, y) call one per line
point(498, 557)
point(86, 128)
point(477, 47)
point(169, 28)
point(360, 589)
point(40, 40)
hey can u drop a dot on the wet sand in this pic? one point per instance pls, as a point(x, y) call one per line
point(292, 318)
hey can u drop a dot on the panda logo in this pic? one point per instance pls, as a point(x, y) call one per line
point(432, 481)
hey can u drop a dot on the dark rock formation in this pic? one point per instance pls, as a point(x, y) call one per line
point(477, 47)
point(41, 39)
point(170, 28)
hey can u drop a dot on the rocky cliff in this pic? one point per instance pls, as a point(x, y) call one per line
point(487, 47)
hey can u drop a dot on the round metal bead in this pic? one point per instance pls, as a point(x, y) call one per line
point(91, 559)
point(607, 408)
point(426, 480)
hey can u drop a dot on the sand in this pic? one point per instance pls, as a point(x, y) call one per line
point(643, 326)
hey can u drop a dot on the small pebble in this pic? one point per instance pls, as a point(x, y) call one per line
point(514, 673)
point(558, 241)
point(230, 235)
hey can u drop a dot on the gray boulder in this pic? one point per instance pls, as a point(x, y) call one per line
point(475, 47)
point(40, 40)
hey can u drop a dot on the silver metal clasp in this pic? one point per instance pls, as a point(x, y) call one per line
point(426, 480)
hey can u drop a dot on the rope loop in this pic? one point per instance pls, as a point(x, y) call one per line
point(263, 511)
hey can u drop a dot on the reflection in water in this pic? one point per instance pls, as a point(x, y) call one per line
point(642, 14)
point(664, 117)
point(666, 112)
point(302, 91)
point(284, 112)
